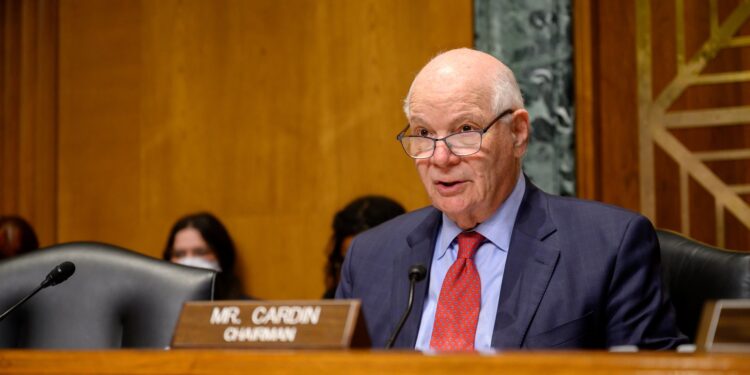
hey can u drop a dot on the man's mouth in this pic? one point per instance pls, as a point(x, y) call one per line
point(450, 187)
point(448, 183)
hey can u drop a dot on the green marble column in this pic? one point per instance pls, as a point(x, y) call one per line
point(534, 38)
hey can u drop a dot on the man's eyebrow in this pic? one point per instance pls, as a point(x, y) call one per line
point(466, 120)
point(459, 119)
point(417, 121)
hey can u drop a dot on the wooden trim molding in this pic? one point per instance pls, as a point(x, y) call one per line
point(587, 147)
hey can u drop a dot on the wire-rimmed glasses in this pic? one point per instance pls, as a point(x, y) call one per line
point(460, 144)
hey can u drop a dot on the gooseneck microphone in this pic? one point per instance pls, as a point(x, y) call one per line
point(417, 273)
point(58, 274)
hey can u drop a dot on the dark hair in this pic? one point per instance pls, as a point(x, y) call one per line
point(27, 237)
point(218, 239)
point(359, 215)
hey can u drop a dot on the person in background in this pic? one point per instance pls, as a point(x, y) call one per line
point(359, 215)
point(201, 240)
point(16, 236)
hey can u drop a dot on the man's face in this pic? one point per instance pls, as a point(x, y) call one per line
point(468, 189)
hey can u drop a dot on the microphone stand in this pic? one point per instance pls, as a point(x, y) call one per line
point(416, 273)
point(19, 303)
point(60, 273)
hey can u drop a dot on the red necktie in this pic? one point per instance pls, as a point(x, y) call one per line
point(460, 297)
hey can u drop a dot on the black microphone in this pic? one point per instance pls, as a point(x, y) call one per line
point(417, 273)
point(58, 274)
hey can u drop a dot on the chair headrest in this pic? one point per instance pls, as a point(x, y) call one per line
point(115, 298)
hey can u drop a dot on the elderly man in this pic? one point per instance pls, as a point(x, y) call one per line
point(509, 266)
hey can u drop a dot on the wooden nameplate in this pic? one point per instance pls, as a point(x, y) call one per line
point(725, 326)
point(313, 324)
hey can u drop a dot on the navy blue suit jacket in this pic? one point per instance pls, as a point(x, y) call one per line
point(579, 274)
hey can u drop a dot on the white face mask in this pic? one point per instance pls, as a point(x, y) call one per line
point(200, 263)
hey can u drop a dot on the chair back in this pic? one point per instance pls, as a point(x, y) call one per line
point(116, 298)
point(694, 273)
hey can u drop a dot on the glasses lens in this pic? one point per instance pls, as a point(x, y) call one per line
point(418, 147)
point(466, 143)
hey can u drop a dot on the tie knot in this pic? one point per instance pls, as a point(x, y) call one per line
point(468, 243)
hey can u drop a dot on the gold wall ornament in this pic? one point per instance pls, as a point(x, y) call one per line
point(655, 121)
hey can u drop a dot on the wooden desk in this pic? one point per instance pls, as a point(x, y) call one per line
point(227, 362)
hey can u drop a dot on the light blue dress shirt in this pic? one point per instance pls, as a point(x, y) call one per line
point(489, 259)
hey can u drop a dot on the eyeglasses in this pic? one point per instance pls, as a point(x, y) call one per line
point(460, 144)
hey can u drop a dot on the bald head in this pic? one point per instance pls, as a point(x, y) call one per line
point(475, 72)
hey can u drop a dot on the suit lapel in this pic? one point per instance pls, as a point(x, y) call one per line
point(421, 243)
point(528, 270)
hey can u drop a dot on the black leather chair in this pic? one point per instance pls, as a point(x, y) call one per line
point(115, 299)
point(695, 273)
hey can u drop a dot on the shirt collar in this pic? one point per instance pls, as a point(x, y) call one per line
point(497, 229)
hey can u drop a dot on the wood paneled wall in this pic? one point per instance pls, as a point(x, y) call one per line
point(671, 140)
point(271, 114)
point(120, 116)
point(700, 117)
point(28, 113)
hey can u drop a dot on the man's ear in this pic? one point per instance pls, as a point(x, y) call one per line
point(520, 130)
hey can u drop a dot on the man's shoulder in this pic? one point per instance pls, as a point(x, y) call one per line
point(595, 226)
point(398, 227)
point(556, 206)
point(585, 220)
point(373, 251)
point(588, 208)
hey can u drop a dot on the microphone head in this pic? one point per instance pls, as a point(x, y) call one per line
point(59, 274)
point(417, 272)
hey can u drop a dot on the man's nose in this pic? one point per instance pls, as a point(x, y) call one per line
point(443, 157)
